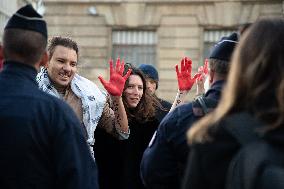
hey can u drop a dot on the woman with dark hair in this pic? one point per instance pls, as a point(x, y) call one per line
point(254, 92)
point(119, 161)
point(144, 108)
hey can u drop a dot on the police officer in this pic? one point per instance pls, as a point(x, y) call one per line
point(164, 160)
point(41, 142)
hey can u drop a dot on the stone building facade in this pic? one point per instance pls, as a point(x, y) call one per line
point(165, 30)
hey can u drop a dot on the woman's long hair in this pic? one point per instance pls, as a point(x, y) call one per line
point(145, 109)
point(255, 82)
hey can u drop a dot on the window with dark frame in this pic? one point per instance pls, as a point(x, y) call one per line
point(134, 46)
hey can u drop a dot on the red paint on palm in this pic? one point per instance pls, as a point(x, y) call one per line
point(116, 82)
point(185, 82)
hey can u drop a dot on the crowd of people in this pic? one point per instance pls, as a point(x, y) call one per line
point(60, 130)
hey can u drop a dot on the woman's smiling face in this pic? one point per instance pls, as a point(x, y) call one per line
point(134, 91)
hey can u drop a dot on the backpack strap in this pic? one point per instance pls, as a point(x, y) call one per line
point(203, 105)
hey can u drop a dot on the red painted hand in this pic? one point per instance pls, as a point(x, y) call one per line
point(203, 70)
point(185, 82)
point(116, 82)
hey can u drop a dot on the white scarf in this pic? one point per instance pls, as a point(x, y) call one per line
point(93, 99)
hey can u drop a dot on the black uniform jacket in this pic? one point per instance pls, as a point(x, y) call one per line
point(41, 142)
point(164, 160)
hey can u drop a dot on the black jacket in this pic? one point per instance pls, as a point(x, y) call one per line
point(41, 141)
point(119, 161)
point(208, 163)
point(161, 113)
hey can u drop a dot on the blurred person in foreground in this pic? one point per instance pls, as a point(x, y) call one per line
point(253, 96)
point(41, 142)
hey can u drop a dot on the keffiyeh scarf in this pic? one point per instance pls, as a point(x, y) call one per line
point(93, 99)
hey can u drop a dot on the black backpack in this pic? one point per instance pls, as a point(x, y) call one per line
point(258, 164)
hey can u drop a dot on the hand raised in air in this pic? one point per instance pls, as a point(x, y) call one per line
point(116, 82)
point(185, 82)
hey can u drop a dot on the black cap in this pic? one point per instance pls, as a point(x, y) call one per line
point(150, 72)
point(223, 50)
point(28, 19)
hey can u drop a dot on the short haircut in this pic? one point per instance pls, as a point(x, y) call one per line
point(62, 41)
point(219, 66)
point(24, 45)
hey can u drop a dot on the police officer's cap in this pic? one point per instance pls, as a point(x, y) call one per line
point(223, 50)
point(27, 18)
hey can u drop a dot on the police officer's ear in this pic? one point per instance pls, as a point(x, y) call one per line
point(43, 61)
point(211, 75)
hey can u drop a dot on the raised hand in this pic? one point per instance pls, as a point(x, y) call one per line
point(116, 82)
point(205, 67)
point(203, 71)
point(185, 82)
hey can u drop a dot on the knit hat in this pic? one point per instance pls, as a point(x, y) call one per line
point(223, 50)
point(150, 72)
point(28, 19)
